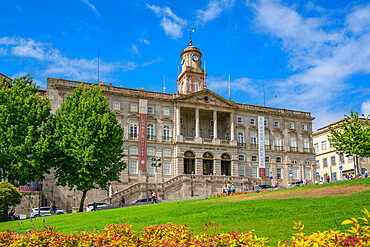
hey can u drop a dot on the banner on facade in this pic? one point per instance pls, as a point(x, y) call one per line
point(143, 110)
point(261, 146)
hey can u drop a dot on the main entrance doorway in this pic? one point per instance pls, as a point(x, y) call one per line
point(207, 163)
point(225, 165)
point(189, 163)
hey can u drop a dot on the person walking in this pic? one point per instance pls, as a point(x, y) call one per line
point(154, 196)
point(123, 201)
point(51, 208)
point(328, 179)
point(232, 189)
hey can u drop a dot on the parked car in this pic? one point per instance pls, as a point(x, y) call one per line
point(90, 206)
point(45, 211)
point(265, 187)
point(145, 200)
point(298, 183)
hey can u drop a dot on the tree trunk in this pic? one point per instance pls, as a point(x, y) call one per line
point(82, 201)
point(357, 165)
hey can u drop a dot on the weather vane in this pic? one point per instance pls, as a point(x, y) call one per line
point(190, 31)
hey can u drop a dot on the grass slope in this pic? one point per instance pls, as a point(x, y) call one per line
point(270, 214)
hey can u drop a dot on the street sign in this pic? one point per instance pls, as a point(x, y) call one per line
point(271, 177)
point(290, 173)
point(317, 174)
point(340, 168)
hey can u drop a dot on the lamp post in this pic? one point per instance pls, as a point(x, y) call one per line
point(156, 163)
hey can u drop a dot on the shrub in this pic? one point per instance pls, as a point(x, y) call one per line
point(9, 195)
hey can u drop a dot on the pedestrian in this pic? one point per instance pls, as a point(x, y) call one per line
point(232, 189)
point(95, 206)
point(51, 208)
point(54, 208)
point(12, 213)
point(154, 196)
point(366, 174)
point(328, 179)
point(228, 188)
point(123, 201)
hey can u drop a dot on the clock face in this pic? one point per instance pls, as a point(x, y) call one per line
point(143, 162)
point(195, 57)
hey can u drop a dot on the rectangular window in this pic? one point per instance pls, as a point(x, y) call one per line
point(323, 145)
point(318, 164)
point(295, 173)
point(276, 124)
point(166, 111)
point(240, 120)
point(332, 160)
point(254, 172)
point(350, 159)
point(242, 171)
point(330, 144)
point(267, 140)
point(150, 151)
point(253, 121)
point(133, 150)
point(240, 137)
point(324, 162)
point(293, 142)
point(265, 123)
point(278, 141)
point(166, 152)
point(316, 146)
point(254, 158)
point(279, 173)
point(241, 156)
point(133, 107)
point(133, 129)
point(307, 173)
point(133, 167)
point(253, 138)
point(150, 130)
point(291, 125)
point(304, 127)
point(305, 143)
point(267, 172)
point(150, 110)
point(149, 167)
point(166, 131)
point(166, 168)
point(341, 159)
point(116, 106)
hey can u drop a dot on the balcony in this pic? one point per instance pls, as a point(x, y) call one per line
point(133, 136)
point(293, 149)
point(242, 145)
point(166, 139)
point(253, 145)
point(152, 138)
point(307, 150)
point(267, 147)
point(278, 148)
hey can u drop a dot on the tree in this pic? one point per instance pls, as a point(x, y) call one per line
point(352, 137)
point(9, 196)
point(87, 142)
point(23, 116)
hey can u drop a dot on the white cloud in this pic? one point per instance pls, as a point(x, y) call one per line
point(171, 23)
point(145, 41)
point(53, 63)
point(213, 10)
point(365, 107)
point(91, 6)
point(322, 58)
point(135, 50)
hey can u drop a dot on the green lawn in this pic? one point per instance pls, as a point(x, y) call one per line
point(270, 215)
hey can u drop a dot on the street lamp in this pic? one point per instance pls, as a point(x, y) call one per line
point(156, 163)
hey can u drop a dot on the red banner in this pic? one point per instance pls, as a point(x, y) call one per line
point(142, 141)
point(262, 172)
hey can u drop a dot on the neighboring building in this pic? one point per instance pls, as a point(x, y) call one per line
point(2, 76)
point(195, 131)
point(329, 162)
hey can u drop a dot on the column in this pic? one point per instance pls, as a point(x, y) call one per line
point(178, 124)
point(215, 125)
point(232, 138)
point(197, 130)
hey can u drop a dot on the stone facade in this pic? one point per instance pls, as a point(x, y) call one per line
point(195, 131)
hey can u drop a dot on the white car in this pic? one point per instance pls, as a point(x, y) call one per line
point(45, 211)
point(90, 206)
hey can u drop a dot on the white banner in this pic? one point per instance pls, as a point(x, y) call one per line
point(261, 145)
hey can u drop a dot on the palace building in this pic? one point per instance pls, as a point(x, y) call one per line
point(202, 140)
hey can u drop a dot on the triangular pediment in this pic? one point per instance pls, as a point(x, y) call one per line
point(206, 97)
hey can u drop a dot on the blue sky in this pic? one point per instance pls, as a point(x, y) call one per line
point(313, 55)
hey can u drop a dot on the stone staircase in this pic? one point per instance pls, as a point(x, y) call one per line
point(182, 186)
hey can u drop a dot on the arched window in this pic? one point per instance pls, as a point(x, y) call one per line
point(189, 154)
point(225, 157)
point(207, 155)
point(278, 159)
point(267, 159)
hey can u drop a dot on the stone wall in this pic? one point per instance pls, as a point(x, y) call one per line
point(29, 200)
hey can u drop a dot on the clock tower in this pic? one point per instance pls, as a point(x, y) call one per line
point(192, 76)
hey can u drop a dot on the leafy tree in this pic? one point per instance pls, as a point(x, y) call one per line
point(23, 115)
point(9, 196)
point(352, 137)
point(87, 142)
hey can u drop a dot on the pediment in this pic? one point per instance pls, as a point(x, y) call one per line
point(206, 97)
